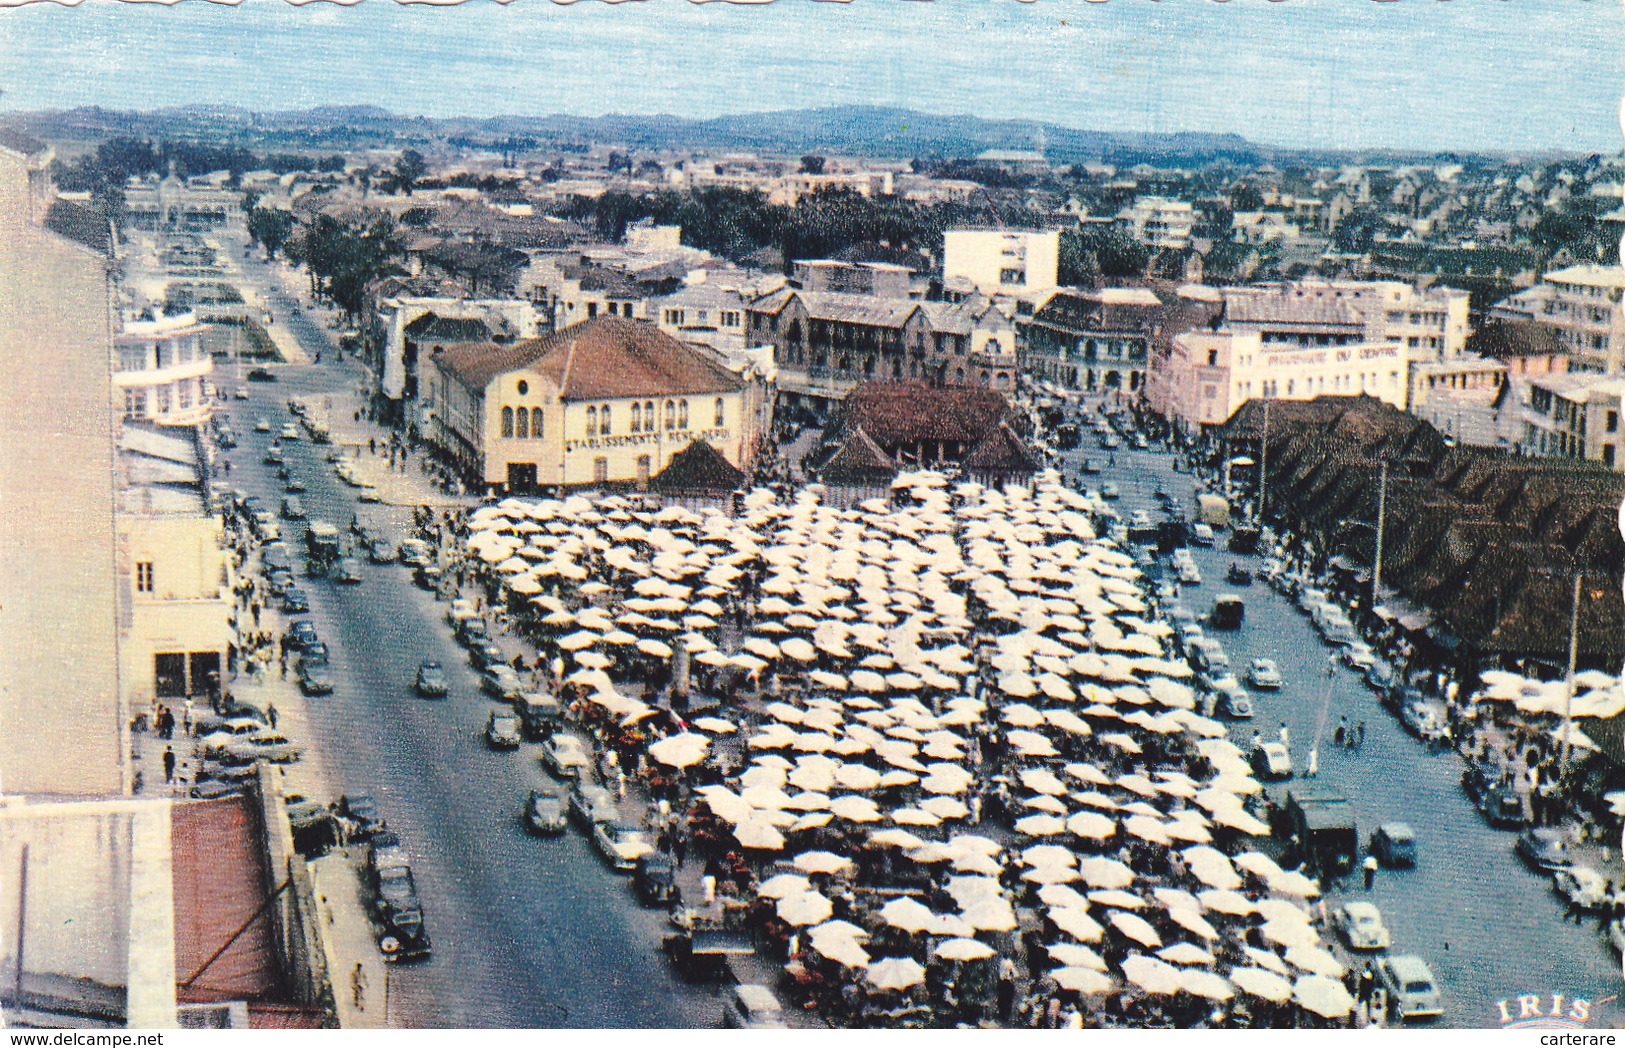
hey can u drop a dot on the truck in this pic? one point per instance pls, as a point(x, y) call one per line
point(321, 545)
point(1323, 824)
point(1213, 511)
point(539, 714)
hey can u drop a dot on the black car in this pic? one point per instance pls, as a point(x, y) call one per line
point(294, 484)
point(485, 654)
point(545, 813)
point(1239, 576)
point(301, 634)
point(403, 936)
point(657, 879)
point(431, 682)
point(314, 677)
point(362, 813)
point(1544, 848)
point(260, 375)
point(294, 601)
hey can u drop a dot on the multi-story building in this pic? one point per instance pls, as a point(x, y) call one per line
point(1582, 303)
point(1160, 222)
point(703, 314)
point(825, 344)
point(172, 551)
point(161, 371)
point(406, 329)
point(606, 402)
point(1575, 416)
point(885, 279)
point(1014, 262)
point(61, 716)
point(1091, 340)
point(1431, 323)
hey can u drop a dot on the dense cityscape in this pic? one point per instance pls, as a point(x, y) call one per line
point(539, 573)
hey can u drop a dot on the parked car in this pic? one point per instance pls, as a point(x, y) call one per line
point(752, 1006)
point(1360, 924)
point(262, 746)
point(565, 755)
point(368, 494)
point(273, 455)
point(396, 904)
point(431, 680)
point(591, 804)
point(1544, 848)
point(1110, 491)
point(1202, 534)
point(1581, 886)
point(240, 393)
point(260, 375)
point(501, 682)
point(1500, 804)
point(292, 508)
point(1189, 575)
point(1394, 844)
point(544, 812)
point(471, 630)
point(381, 552)
point(294, 484)
point(301, 634)
point(361, 811)
point(621, 843)
point(485, 655)
point(262, 425)
point(289, 432)
point(348, 570)
point(1421, 720)
point(1412, 991)
point(502, 731)
point(1233, 702)
point(314, 677)
point(1089, 467)
point(1264, 675)
point(1379, 675)
point(1359, 656)
point(1238, 576)
point(656, 879)
point(294, 601)
point(414, 553)
point(1272, 761)
point(1210, 655)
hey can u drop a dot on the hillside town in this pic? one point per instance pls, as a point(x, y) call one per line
point(536, 582)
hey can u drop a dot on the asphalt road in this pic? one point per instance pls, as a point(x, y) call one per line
point(1489, 927)
point(527, 932)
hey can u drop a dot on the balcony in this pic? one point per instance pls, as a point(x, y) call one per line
point(189, 369)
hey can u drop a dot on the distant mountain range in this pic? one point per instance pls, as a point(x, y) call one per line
point(866, 131)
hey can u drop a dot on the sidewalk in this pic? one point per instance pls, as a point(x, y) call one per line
point(350, 941)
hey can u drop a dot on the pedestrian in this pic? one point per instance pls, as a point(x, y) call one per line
point(1370, 867)
point(256, 611)
point(679, 845)
point(169, 764)
point(1007, 986)
point(358, 986)
point(1314, 762)
point(372, 445)
point(1342, 732)
point(270, 715)
point(1359, 735)
point(1286, 740)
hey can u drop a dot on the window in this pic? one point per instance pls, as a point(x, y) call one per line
point(536, 423)
point(682, 414)
point(163, 400)
point(592, 422)
point(720, 414)
point(186, 395)
point(143, 576)
point(1608, 455)
point(637, 418)
point(600, 470)
point(524, 387)
point(507, 422)
point(592, 309)
point(135, 403)
point(671, 416)
point(1212, 358)
point(648, 416)
point(521, 427)
point(603, 420)
point(1611, 422)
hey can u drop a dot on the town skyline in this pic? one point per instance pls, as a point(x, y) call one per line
point(1371, 77)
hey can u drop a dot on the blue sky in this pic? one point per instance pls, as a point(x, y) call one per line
point(1468, 74)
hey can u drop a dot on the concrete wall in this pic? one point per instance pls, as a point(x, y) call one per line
point(60, 711)
point(296, 916)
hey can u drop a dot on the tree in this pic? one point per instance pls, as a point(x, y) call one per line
point(1110, 252)
point(408, 169)
point(812, 165)
point(1245, 197)
point(270, 228)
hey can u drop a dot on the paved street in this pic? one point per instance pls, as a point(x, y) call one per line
point(1489, 927)
point(527, 932)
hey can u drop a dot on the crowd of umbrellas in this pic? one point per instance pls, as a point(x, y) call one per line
point(922, 648)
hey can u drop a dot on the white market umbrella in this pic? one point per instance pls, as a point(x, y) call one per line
point(1324, 996)
point(963, 950)
point(894, 973)
point(807, 908)
point(908, 914)
point(680, 751)
point(1151, 975)
point(821, 862)
point(1135, 927)
point(1076, 923)
point(1082, 980)
point(783, 886)
point(1265, 985)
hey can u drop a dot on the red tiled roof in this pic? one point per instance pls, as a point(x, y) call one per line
point(897, 413)
point(698, 467)
point(219, 882)
point(607, 358)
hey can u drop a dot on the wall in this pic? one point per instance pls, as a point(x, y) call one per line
point(60, 711)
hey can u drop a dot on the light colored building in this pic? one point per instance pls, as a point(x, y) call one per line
point(1207, 375)
point(1013, 262)
point(61, 719)
point(703, 314)
point(161, 369)
point(1092, 340)
point(1462, 397)
point(171, 548)
point(1575, 416)
point(1583, 304)
point(884, 279)
point(605, 402)
point(406, 329)
point(1432, 323)
point(1160, 222)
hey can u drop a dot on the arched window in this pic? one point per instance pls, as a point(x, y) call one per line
point(637, 417)
point(671, 416)
point(682, 414)
point(592, 422)
point(507, 422)
point(536, 423)
point(603, 420)
point(648, 416)
point(721, 418)
point(521, 427)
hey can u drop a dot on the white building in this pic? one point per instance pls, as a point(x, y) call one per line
point(1429, 322)
point(1160, 222)
point(1002, 261)
point(1574, 416)
point(703, 314)
point(1583, 304)
point(161, 370)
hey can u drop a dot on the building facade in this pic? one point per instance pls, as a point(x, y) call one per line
point(1582, 305)
point(162, 369)
point(61, 717)
point(606, 402)
point(1160, 222)
point(1574, 416)
point(1013, 262)
point(1091, 340)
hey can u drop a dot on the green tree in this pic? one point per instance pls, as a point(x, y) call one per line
point(270, 228)
point(812, 165)
point(408, 169)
